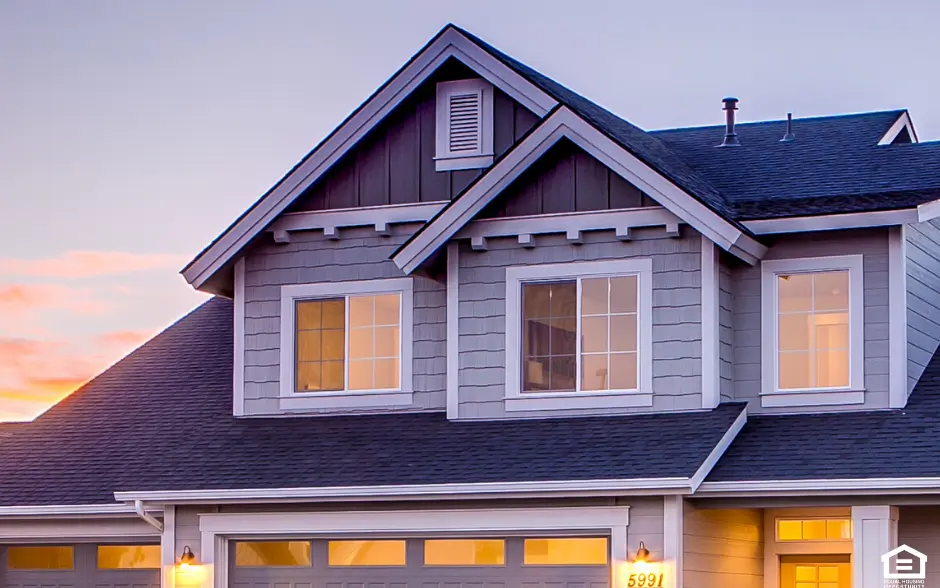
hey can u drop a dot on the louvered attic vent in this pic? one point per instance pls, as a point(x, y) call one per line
point(464, 125)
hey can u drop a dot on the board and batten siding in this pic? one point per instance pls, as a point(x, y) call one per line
point(746, 284)
point(919, 527)
point(677, 333)
point(311, 258)
point(923, 296)
point(723, 548)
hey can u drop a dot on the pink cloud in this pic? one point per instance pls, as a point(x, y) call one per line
point(16, 299)
point(89, 264)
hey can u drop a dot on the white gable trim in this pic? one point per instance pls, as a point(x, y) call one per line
point(450, 43)
point(831, 222)
point(564, 123)
point(903, 122)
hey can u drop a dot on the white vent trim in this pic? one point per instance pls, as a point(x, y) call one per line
point(464, 125)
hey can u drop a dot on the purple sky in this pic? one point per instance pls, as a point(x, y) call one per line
point(133, 132)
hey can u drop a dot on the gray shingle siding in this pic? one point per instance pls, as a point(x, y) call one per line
point(923, 300)
point(873, 245)
point(677, 348)
point(312, 258)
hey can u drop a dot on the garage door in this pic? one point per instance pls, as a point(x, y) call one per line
point(536, 562)
point(80, 566)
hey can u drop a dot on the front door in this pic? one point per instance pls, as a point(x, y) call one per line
point(815, 571)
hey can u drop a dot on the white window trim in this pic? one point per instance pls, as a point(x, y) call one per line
point(290, 399)
point(854, 392)
point(444, 160)
point(516, 275)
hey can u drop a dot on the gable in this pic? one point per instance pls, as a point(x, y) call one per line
point(566, 179)
point(395, 162)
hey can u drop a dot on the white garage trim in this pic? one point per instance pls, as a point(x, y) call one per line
point(217, 529)
point(86, 529)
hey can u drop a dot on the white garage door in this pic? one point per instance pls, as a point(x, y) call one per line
point(517, 562)
point(80, 566)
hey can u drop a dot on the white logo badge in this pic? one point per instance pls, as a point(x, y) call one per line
point(906, 564)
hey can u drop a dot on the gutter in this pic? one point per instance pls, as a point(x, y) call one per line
point(142, 513)
point(820, 487)
point(66, 510)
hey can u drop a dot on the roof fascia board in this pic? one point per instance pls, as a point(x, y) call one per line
point(903, 122)
point(69, 510)
point(831, 222)
point(928, 211)
point(417, 491)
point(564, 123)
point(451, 43)
point(712, 460)
point(820, 487)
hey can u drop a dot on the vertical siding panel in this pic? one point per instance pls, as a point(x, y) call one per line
point(504, 123)
point(525, 199)
point(372, 163)
point(525, 120)
point(434, 185)
point(623, 194)
point(591, 190)
point(558, 187)
point(461, 179)
point(342, 189)
point(404, 164)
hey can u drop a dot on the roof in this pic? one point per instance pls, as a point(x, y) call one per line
point(883, 444)
point(161, 420)
point(7, 429)
point(835, 165)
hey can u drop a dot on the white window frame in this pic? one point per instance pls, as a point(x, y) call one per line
point(444, 159)
point(516, 276)
point(854, 393)
point(401, 396)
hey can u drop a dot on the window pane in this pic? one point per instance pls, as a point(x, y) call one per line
point(386, 310)
point(367, 553)
point(814, 530)
point(563, 336)
point(828, 574)
point(832, 330)
point(839, 529)
point(386, 374)
point(794, 292)
point(334, 314)
point(623, 294)
point(317, 342)
point(464, 552)
point(831, 290)
point(361, 374)
point(623, 371)
point(594, 296)
point(40, 558)
point(549, 336)
point(308, 346)
point(563, 374)
point(805, 573)
point(832, 368)
point(536, 300)
point(308, 376)
point(334, 345)
point(386, 342)
point(594, 372)
point(128, 557)
point(789, 530)
point(361, 311)
point(535, 373)
point(795, 370)
point(332, 372)
point(360, 343)
point(594, 334)
point(623, 332)
point(793, 332)
point(308, 315)
point(565, 551)
point(272, 553)
point(564, 299)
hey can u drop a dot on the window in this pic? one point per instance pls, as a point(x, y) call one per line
point(38, 558)
point(128, 557)
point(272, 553)
point(464, 123)
point(367, 553)
point(578, 330)
point(814, 529)
point(812, 325)
point(572, 551)
point(346, 338)
point(464, 552)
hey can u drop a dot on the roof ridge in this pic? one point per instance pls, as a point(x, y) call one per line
point(780, 121)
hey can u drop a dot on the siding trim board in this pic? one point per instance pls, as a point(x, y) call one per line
point(563, 123)
point(379, 217)
point(238, 328)
point(711, 381)
point(897, 320)
point(451, 43)
point(569, 222)
point(453, 331)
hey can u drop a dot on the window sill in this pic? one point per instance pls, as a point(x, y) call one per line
point(783, 399)
point(458, 163)
point(346, 400)
point(578, 400)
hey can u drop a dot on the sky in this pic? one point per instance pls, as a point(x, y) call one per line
point(133, 132)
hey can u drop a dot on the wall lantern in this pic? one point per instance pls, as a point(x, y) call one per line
point(188, 558)
point(643, 573)
point(642, 554)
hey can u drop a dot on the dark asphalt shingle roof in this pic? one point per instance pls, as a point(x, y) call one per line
point(884, 444)
point(7, 429)
point(161, 419)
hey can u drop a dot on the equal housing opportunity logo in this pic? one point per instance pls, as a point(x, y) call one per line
point(904, 566)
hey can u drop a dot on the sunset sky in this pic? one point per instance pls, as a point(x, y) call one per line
point(133, 132)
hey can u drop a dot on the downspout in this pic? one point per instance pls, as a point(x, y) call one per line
point(150, 520)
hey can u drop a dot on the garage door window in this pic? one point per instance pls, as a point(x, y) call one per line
point(128, 557)
point(567, 551)
point(46, 557)
point(464, 552)
point(272, 554)
point(367, 553)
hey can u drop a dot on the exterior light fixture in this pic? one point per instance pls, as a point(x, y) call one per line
point(188, 558)
point(642, 554)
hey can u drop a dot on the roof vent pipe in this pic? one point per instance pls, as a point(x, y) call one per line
point(790, 135)
point(731, 138)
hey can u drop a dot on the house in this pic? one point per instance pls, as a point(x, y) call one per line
point(489, 333)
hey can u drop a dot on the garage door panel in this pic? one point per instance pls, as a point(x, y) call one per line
point(84, 573)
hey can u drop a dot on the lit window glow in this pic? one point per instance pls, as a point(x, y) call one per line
point(567, 551)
